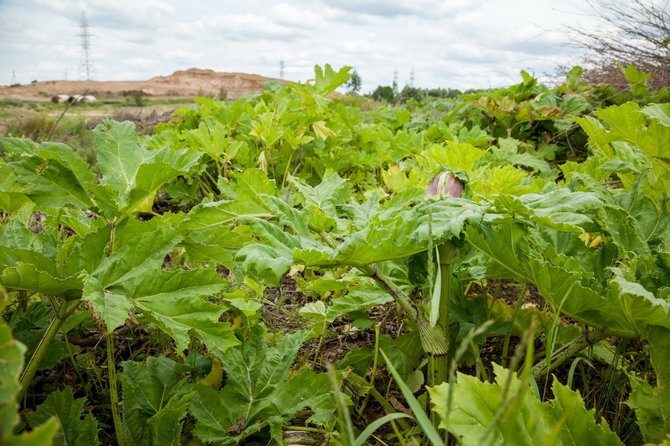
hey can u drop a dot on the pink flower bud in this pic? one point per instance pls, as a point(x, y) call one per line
point(445, 184)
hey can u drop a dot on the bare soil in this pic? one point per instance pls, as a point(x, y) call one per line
point(180, 84)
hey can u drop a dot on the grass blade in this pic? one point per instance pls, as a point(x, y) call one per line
point(421, 416)
point(360, 441)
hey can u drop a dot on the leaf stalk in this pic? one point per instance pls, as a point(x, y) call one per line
point(113, 391)
point(33, 363)
point(587, 339)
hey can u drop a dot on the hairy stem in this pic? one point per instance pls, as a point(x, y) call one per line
point(113, 391)
point(566, 352)
point(373, 374)
point(433, 339)
point(41, 349)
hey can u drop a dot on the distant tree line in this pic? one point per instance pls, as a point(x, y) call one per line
point(390, 93)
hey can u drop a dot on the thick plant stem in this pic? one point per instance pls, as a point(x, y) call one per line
point(371, 270)
point(433, 339)
point(41, 349)
point(399, 295)
point(113, 392)
point(447, 254)
point(439, 365)
point(566, 352)
point(373, 373)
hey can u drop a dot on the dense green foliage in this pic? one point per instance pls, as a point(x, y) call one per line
point(218, 257)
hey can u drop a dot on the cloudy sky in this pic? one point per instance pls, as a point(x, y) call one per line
point(448, 43)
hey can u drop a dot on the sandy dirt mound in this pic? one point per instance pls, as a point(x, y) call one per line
point(180, 84)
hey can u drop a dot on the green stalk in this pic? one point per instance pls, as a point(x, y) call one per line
point(515, 313)
point(72, 360)
point(31, 368)
point(360, 381)
point(113, 392)
point(318, 347)
point(447, 254)
point(433, 339)
point(343, 415)
point(399, 295)
point(375, 362)
point(566, 352)
point(438, 365)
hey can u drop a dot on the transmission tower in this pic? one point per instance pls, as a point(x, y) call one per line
point(13, 78)
point(281, 68)
point(85, 64)
point(395, 79)
point(411, 77)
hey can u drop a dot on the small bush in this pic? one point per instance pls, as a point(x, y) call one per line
point(138, 100)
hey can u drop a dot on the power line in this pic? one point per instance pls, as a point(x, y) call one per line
point(85, 64)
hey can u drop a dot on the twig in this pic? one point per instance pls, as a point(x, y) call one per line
point(67, 107)
point(295, 171)
point(587, 339)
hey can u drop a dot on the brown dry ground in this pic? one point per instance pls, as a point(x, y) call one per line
point(180, 84)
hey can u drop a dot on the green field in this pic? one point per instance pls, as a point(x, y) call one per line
point(295, 268)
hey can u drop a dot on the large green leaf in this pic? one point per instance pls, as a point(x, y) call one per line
point(50, 183)
point(172, 300)
point(12, 195)
point(131, 278)
point(134, 173)
point(331, 191)
point(41, 436)
point(68, 157)
point(11, 364)
point(659, 342)
point(645, 401)
point(160, 167)
point(113, 307)
point(258, 391)
point(243, 199)
point(135, 259)
point(660, 112)
point(219, 213)
point(392, 235)
point(264, 262)
point(506, 412)
point(74, 431)
point(155, 399)
point(51, 174)
point(505, 244)
point(26, 276)
point(119, 154)
point(640, 307)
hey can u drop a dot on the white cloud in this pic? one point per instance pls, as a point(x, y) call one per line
point(294, 16)
point(141, 62)
point(112, 13)
point(455, 43)
point(239, 27)
point(429, 9)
